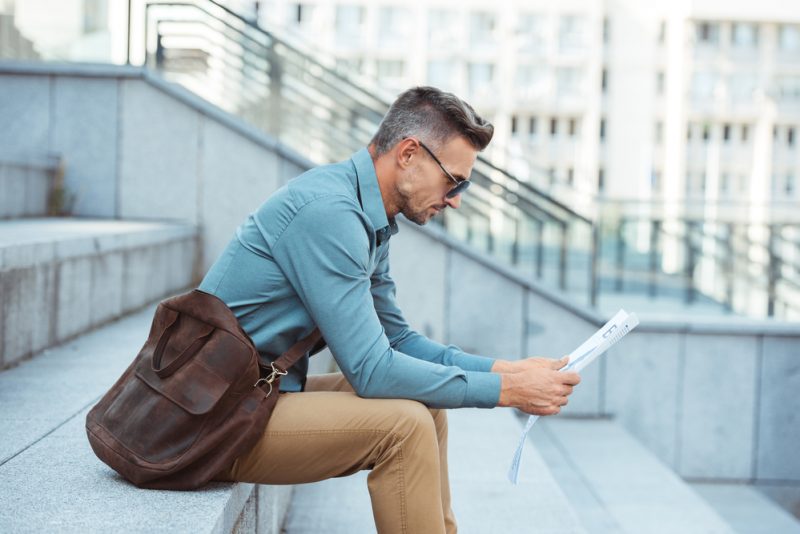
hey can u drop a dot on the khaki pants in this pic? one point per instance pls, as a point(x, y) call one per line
point(328, 431)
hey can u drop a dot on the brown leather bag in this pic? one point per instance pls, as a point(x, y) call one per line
point(193, 400)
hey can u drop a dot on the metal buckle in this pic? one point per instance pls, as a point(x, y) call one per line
point(269, 379)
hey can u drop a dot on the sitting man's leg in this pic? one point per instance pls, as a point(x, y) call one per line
point(337, 382)
point(317, 435)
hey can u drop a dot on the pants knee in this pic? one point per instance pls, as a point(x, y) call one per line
point(415, 419)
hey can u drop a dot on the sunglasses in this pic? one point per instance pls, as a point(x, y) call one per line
point(461, 185)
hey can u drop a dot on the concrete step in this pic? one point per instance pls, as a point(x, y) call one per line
point(51, 481)
point(481, 445)
point(618, 486)
point(746, 509)
point(60, 277)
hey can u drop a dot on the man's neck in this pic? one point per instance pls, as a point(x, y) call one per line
point(384, 170)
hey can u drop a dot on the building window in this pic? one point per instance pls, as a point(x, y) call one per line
point(604, 81)
point(390, 69)
point(349, 23)
point(789, 188)
point(655, 180)
point(688, 132)
point(659, 131)
point(662, 32)
point(726, 132)
point(482, 26)
point(790, 136)
point(513, 124)
point(602, 129)
point(570, 176)
point(530, 33)
point(481, 77)
point(553, 127)
point(706, 132)
point(745, 133)
point(444, 74)
point(708, 33)
point(601, 180)
point(660, 82)
point(571, 33)
point(725, 183)
point(606, 30)
point(443, 29)
point(572, 127)
point(789, 38)
point(393, 31)
point(532, 126)
point(551, 174)
point(744, 35)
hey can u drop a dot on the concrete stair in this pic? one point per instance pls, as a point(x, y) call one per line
point(481, 445)
point(618, 486)
point(51, 481)
point(60, 277)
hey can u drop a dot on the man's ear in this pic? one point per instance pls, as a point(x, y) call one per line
point(406, 149)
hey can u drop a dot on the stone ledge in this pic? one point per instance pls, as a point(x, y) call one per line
point(62, 277)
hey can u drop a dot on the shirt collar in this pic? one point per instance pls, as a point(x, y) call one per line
point(370, 194)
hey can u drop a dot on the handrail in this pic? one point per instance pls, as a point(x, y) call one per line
point(309, 104)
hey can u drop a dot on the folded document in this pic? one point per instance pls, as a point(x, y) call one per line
point(601, 341)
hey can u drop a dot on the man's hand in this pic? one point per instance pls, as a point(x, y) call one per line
point(535, 385)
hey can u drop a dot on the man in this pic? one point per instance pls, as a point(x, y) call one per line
point(316, 253)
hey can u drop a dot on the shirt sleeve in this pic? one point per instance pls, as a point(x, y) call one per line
point(324, 252)
point(403, 338)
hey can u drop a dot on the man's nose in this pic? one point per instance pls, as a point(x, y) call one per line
point(454, 202)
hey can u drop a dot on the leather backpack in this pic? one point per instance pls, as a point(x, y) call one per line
point(194, 399)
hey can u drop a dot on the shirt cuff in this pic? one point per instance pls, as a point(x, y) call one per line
point(469, 362)
point(483, 390)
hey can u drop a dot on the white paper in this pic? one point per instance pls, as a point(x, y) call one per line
point(602, 340)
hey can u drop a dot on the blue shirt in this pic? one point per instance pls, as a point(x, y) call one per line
point(317, 253)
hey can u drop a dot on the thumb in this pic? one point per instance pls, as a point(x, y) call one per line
point(558, 364)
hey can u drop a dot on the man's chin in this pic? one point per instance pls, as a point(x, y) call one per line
point(420, 219)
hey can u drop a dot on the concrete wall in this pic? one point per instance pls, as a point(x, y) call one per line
point(136, 147)
point(713, 401)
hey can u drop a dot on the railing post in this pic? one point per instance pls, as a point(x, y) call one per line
point(593, 273)
point(773, 269)
point(655, 238)
point(128, 44)
point(618, 286)
point(562, 258)
point(690, 262)
point(274, 102)
point(729, 266)
point(539, 249)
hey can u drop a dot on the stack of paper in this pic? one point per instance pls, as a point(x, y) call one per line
point(601, 341)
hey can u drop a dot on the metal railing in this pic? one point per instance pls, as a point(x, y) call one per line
point(310, 102)
point(306, 101)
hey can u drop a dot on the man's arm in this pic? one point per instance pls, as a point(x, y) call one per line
point(532, 385)
point(324, 253)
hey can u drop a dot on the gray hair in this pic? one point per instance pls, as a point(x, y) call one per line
point(433, 115)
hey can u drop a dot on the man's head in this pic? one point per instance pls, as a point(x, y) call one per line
point(426, 144)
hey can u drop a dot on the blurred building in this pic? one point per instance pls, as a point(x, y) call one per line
point(682, 103)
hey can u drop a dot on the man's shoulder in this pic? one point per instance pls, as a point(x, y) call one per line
point(334, 180)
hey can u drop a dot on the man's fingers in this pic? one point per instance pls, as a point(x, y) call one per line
point(558, 364)
point(570, 378)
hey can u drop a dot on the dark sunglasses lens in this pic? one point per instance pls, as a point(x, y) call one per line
point(457, 190)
